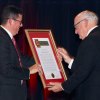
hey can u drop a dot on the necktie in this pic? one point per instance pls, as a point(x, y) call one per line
point(15, 45)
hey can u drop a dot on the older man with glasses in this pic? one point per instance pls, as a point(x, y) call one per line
point(84, 82)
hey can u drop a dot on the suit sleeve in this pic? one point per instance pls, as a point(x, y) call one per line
point(27, 60)
point(9, 66)
point(82, 66)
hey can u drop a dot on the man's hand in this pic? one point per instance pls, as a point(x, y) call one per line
point(55, 87)
point(35, 68)
point(62, 53)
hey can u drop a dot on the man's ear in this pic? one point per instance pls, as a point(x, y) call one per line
point(86, 23)
point(10, 21)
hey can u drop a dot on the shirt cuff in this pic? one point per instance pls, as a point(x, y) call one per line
point(70, 64)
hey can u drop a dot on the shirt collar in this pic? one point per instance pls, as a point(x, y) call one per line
point(8, 32)
point(91, 30)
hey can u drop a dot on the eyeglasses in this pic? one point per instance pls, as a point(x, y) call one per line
point(15, 20)
point(79, 22)
point(18, 21)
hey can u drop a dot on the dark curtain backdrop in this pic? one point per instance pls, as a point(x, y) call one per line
point(58, 16)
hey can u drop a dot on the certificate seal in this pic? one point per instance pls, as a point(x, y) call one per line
point(52, 74)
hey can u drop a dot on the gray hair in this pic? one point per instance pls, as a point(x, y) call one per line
point(90, 16)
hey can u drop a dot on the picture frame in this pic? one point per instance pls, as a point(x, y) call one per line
point(44, 51)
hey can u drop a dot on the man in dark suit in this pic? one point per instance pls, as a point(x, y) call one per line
point(84, 82)
point(15, 68)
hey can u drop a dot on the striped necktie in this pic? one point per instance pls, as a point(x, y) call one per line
point(15, 45)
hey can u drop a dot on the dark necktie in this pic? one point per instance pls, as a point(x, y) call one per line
point(15, 45)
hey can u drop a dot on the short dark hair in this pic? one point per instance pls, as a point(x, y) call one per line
point(10, 11)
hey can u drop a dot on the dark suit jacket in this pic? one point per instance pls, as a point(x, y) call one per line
point(84, 83)
point(11, 73)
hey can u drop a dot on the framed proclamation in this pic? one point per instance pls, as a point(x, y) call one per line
point(44, 51)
